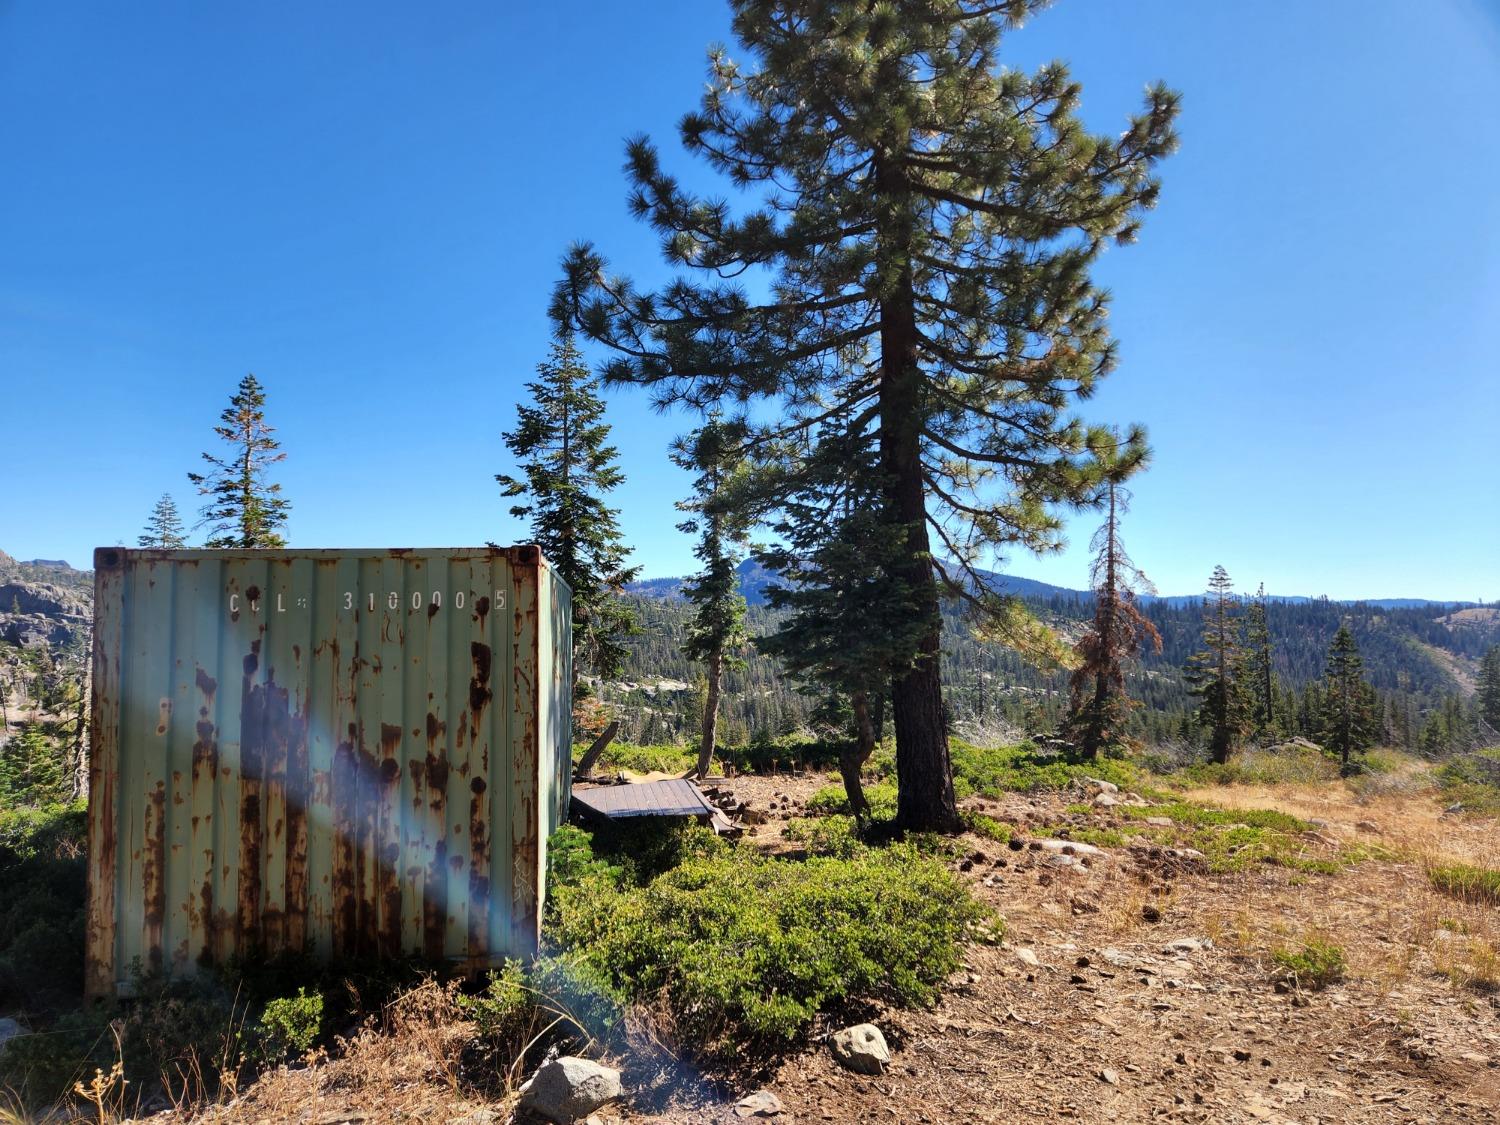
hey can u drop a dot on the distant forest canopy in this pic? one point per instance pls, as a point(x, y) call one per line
point(1421, 659)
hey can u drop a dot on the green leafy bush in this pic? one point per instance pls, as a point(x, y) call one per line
point(1462, 880)
point(290, 1026)
point(833, 799)
point(827, 835)
point(1183, 812)
point(1317, 964)
point(746, 949)
point(1024, 769)
point(505, 1007)
point(43, 885)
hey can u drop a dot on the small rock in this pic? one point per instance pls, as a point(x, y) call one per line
point(1369, 826)
point(1027, 957)
point(1065, 847)
point(1187, 945)
point(762, 1103)
point(1105, 801)
point(1107, 1075)
point(569, 1088)
point(1150, 914)
point(1103, 786)
point(860, 1048)
point(1161, 821)
point(753, 816)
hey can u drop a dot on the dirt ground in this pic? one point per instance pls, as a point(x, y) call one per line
point(1089, 1012)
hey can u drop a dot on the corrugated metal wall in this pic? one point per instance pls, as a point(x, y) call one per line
point(347, 753)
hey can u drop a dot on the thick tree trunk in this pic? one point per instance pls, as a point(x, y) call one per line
point(923, 772)
point(710, 714)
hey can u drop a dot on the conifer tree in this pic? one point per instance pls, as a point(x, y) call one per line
point(1257, 670)
point(1488, 695)
point(716, 633)
point(1349, 718)
point(164, 529)
point(921, 203)
point(567, 467)
point(1212, 673)
point(244, 508)
point(849, 621)
point(1100, 707)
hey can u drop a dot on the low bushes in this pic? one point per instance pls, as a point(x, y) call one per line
point(1023, 769)
point(43, 876)
point(741, 950)
point(1316, 964)
point(1461, 880)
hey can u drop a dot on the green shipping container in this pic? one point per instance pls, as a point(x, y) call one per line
point(345, 753)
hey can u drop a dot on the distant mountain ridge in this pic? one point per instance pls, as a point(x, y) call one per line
point(754, 579)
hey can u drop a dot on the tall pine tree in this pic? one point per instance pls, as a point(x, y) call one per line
point(1100, 707)
point(716, 633)
point(1213, 672)
point(1488, 695)
point(164, 528)
point(244, 507)
point(1257, 670)
point(1350, 718)
point(567, 467)
point(926, 206)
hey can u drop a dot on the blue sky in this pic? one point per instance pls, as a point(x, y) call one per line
point(365, 204)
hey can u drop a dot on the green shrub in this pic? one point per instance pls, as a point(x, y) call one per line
point(745, 949)
point(827, 835)
point(833, 799)
point(982, 824)
point(668, 758)
point(1317, 964)
point(41, 1069)
point(1024, 769)
point(505, 1007)
point(1461, 880)
point(290, 1026)
point(1183, 812)
point(182, 1033)
point(43, 886)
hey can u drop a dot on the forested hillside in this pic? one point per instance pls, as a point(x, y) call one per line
point(1421, 658)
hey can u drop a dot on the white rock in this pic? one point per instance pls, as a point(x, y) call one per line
point(1027, 957)
point(569, 1088)
point(1187, 945)
point(1066, 847)
point(860, 1048)
point(1103, 786)
point(1161, 821)
point(1105, 801)
point(762, 1103)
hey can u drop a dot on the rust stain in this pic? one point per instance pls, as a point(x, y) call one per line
point(388, 877)
point(479, 684)
point(345, 788)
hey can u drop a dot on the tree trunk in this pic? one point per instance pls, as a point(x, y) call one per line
point(710, 714)
point(923, 772)
point(853, 757)
point(591, 755)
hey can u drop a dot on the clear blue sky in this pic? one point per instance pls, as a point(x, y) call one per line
point(365, 203)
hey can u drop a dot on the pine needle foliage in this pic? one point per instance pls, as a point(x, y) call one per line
point(1213, 673)
point(1488, 694)
point(1100, 707)
point(924, 209)
point(566, 469)
point(164, 529)
point(244, 507)
point(1350, 715)
point(716, 634)
point(1257, 670)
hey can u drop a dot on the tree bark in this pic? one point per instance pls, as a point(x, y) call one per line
point(591, 755)
point(710, 715)
point(924, 773)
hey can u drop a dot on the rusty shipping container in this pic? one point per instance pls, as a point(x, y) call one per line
point(342, 752)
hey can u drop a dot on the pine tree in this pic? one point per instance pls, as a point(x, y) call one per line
point(164, 529)
point(926, 208)
point(716, 633)
point(567, 467)
point(1099, 706)
point(244, 508)
point(1349, 718)
point(1212, 673)
point(849, 619)
point(1488, 694)
point(32, 769)
point(1257, 670)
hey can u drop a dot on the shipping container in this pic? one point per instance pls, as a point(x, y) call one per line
point(345, 753)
